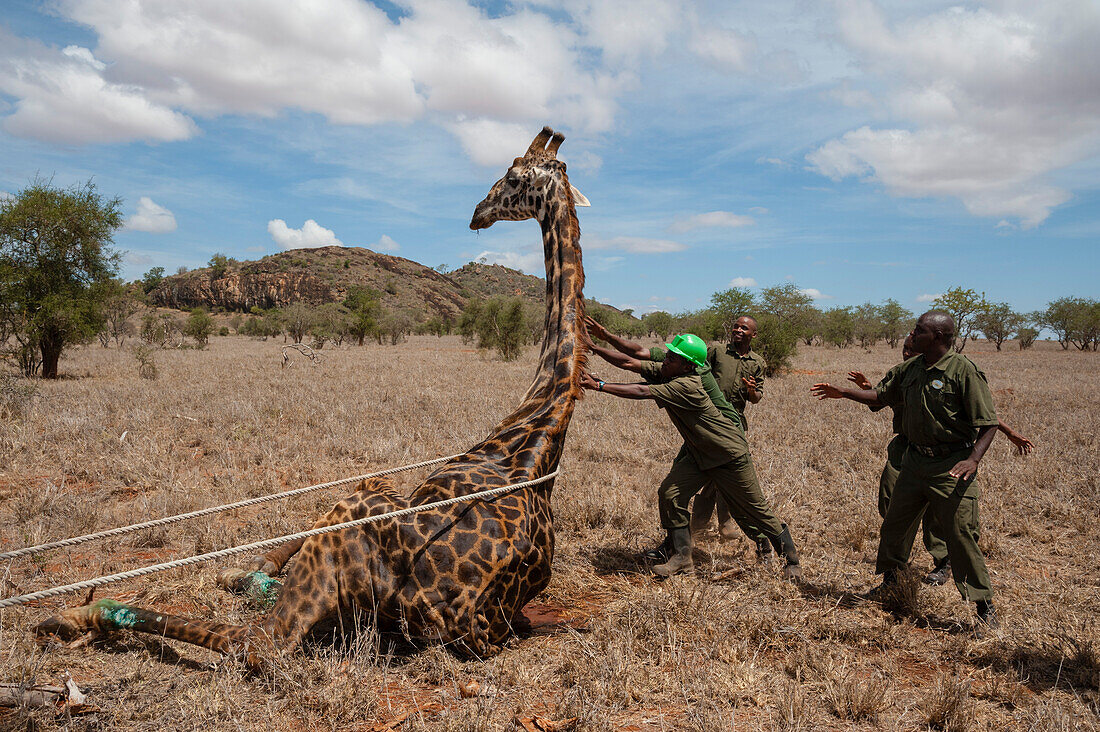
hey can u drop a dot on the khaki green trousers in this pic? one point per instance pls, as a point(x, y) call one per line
point(933, 534)
point(923, 484)
point(736, 484)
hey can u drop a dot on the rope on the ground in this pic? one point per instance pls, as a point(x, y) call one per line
point(213, 509)
point(259, 545)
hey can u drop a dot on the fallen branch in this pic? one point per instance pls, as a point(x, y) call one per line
point(315, 358)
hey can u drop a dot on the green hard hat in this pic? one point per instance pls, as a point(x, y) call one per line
point(690, 347)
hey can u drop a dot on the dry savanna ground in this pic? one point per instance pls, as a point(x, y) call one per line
point(733, 646)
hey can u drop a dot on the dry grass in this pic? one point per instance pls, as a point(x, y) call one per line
point(735, 645)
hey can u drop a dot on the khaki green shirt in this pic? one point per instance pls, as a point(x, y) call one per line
point(651, 372)
point(710, 437)
point(728, 367)
point(943, 404)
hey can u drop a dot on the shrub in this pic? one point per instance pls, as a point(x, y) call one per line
point(199, 326)
point(147, 367)
point(1026, 337)
point(16, 395)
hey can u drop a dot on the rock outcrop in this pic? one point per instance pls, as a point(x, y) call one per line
point(241, 291)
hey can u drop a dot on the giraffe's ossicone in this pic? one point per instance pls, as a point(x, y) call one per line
point(457, 575)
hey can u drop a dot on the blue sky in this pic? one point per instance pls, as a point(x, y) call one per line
point(860, 149)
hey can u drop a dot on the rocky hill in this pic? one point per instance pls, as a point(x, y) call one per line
point(317, 276)
point(321, 275)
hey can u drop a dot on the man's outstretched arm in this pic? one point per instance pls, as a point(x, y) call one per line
point(863, 396)
point(1023, 445)
point(622, 345)
point(626, 391)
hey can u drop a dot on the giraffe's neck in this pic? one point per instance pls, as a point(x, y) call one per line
point(539, 424)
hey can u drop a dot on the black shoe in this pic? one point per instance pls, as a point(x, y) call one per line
point(987, 616)
point(885, 588)
point(659, 553)
point(940, 573)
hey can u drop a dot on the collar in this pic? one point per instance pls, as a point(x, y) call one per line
point(940, 365)
point(732, 350)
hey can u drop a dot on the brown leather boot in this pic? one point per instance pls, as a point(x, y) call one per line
point(680, 561)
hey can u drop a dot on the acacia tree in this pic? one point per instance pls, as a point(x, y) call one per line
point(55, 261)
point(963, 305)
point(867, 324)
point(897, 321)
point(783, 314)
point(728, 306)
point(998, 322)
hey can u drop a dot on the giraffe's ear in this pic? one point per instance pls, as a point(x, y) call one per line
point(578, 197)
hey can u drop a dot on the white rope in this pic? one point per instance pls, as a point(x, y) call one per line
point(259, 545)
point(207, 511)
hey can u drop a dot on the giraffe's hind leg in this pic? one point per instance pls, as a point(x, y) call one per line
point(301, 607)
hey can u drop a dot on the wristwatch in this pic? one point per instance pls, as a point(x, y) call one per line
point(599, 385)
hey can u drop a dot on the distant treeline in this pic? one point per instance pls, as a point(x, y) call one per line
point(787, 316)
point(59, 286)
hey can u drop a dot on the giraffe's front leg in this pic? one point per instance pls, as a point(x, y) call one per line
point(273, 562)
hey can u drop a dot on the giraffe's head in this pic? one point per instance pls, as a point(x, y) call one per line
point(530, 184)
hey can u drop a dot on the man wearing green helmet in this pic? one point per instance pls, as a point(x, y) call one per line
point(714, 448)
point(737, 373)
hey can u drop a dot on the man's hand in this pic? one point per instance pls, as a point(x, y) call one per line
point(750, 388)
point(590, 381)
point(964, 469)
point(826, 391)
point(860, 380)
point(595, 329)
point(1023, 445)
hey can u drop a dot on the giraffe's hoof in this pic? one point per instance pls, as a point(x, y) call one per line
point(233, 579)
point(68, 625)
point(260, 563)
point(256, 585)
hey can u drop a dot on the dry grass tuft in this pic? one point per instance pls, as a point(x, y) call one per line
point(948, 705)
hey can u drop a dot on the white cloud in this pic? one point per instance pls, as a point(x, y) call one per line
point(151, 217)
point(815, 294)
point(136, 259)
point(929, 298)
point(627, 30)
point(385, 244)
point(445, 60)
point(713, 219)
point(531, 262)
point(634, 244)
point(63, 97)
point(725, 49)
point(310, 236)
point(983, 103)
point(743, 282)
point(489, 142)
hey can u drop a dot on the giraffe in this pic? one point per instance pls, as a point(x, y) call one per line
point(457, 575)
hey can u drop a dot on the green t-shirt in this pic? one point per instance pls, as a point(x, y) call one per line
point(711, 438)
point(728, 367)
point(943, 404)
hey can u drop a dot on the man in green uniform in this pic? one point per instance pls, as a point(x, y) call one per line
point(739, 373)
point(895, 451)
point(949, 420)
point(714, 449)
